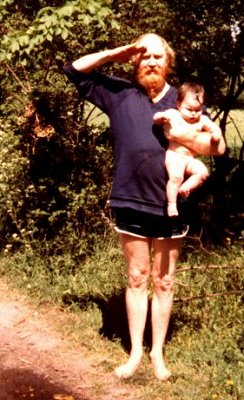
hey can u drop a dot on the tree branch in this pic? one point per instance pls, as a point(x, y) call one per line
point(205, 296)
point(208, 267)
point(17, 79)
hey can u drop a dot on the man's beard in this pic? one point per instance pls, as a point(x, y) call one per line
point(153, 81)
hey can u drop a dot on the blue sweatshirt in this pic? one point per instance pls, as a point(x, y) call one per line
point(139, 146)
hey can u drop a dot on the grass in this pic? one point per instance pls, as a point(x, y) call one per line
point(206, 339)
point(234, 128)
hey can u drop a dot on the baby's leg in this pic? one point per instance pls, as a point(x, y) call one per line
point(175, 165)
point(197, 173)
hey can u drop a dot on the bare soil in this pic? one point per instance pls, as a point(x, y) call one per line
point(37, 363)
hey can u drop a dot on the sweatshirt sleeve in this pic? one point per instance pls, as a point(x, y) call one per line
point(100, 89)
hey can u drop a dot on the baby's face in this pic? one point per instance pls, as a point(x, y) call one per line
point(190, 108)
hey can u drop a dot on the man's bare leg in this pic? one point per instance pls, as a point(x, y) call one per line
point(137, 255)
point(166, 255)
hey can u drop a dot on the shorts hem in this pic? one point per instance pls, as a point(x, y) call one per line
point(118, 230)
point(174, 236)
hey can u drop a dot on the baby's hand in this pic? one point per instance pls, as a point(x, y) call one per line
point(215, 136)
point(160, 118)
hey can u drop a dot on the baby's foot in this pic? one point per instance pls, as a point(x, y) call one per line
point(184, 192)
point(172, 210)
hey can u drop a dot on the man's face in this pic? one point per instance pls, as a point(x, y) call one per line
point(151, 66)
point(190, 108)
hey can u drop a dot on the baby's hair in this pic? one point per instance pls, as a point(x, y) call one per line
point(194, 88)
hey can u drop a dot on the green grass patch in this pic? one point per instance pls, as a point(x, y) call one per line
point(205, 345)
point(234, 131)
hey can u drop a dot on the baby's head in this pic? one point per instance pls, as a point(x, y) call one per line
point(190, 101)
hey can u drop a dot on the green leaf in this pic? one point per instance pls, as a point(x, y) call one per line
point(49, 37)
point(91, 8)
point(66, 11)
point(24, 40)
point(14, 46)
point(65, 34)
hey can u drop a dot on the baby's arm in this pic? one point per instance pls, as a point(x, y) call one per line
point(212, 128)
point(165, 117)
point(169, 118)
point(199, 141)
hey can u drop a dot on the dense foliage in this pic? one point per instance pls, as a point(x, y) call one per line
point(55, 158)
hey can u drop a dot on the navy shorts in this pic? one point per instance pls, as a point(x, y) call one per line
point(144, 225)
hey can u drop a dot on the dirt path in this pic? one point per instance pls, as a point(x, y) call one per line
point(37, 363)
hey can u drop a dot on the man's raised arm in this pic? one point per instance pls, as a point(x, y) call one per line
point(121, 54)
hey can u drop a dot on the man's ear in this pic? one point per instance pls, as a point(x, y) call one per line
point(133, 60)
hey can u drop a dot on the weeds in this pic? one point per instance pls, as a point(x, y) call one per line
point(205, 341)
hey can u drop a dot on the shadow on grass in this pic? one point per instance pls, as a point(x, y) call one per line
point(113, 310)
point(19, 384)
point(115, 323)
point(114, 318)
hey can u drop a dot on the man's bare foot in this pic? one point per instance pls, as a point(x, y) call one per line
point(160, 370)
point(128, 369)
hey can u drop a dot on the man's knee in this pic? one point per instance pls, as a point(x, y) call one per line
point(138, 277)
point(164, 283)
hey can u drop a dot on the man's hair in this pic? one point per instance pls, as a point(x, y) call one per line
point(194, 88)
point(170, 54)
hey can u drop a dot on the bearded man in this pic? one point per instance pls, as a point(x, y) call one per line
point(138, 198)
